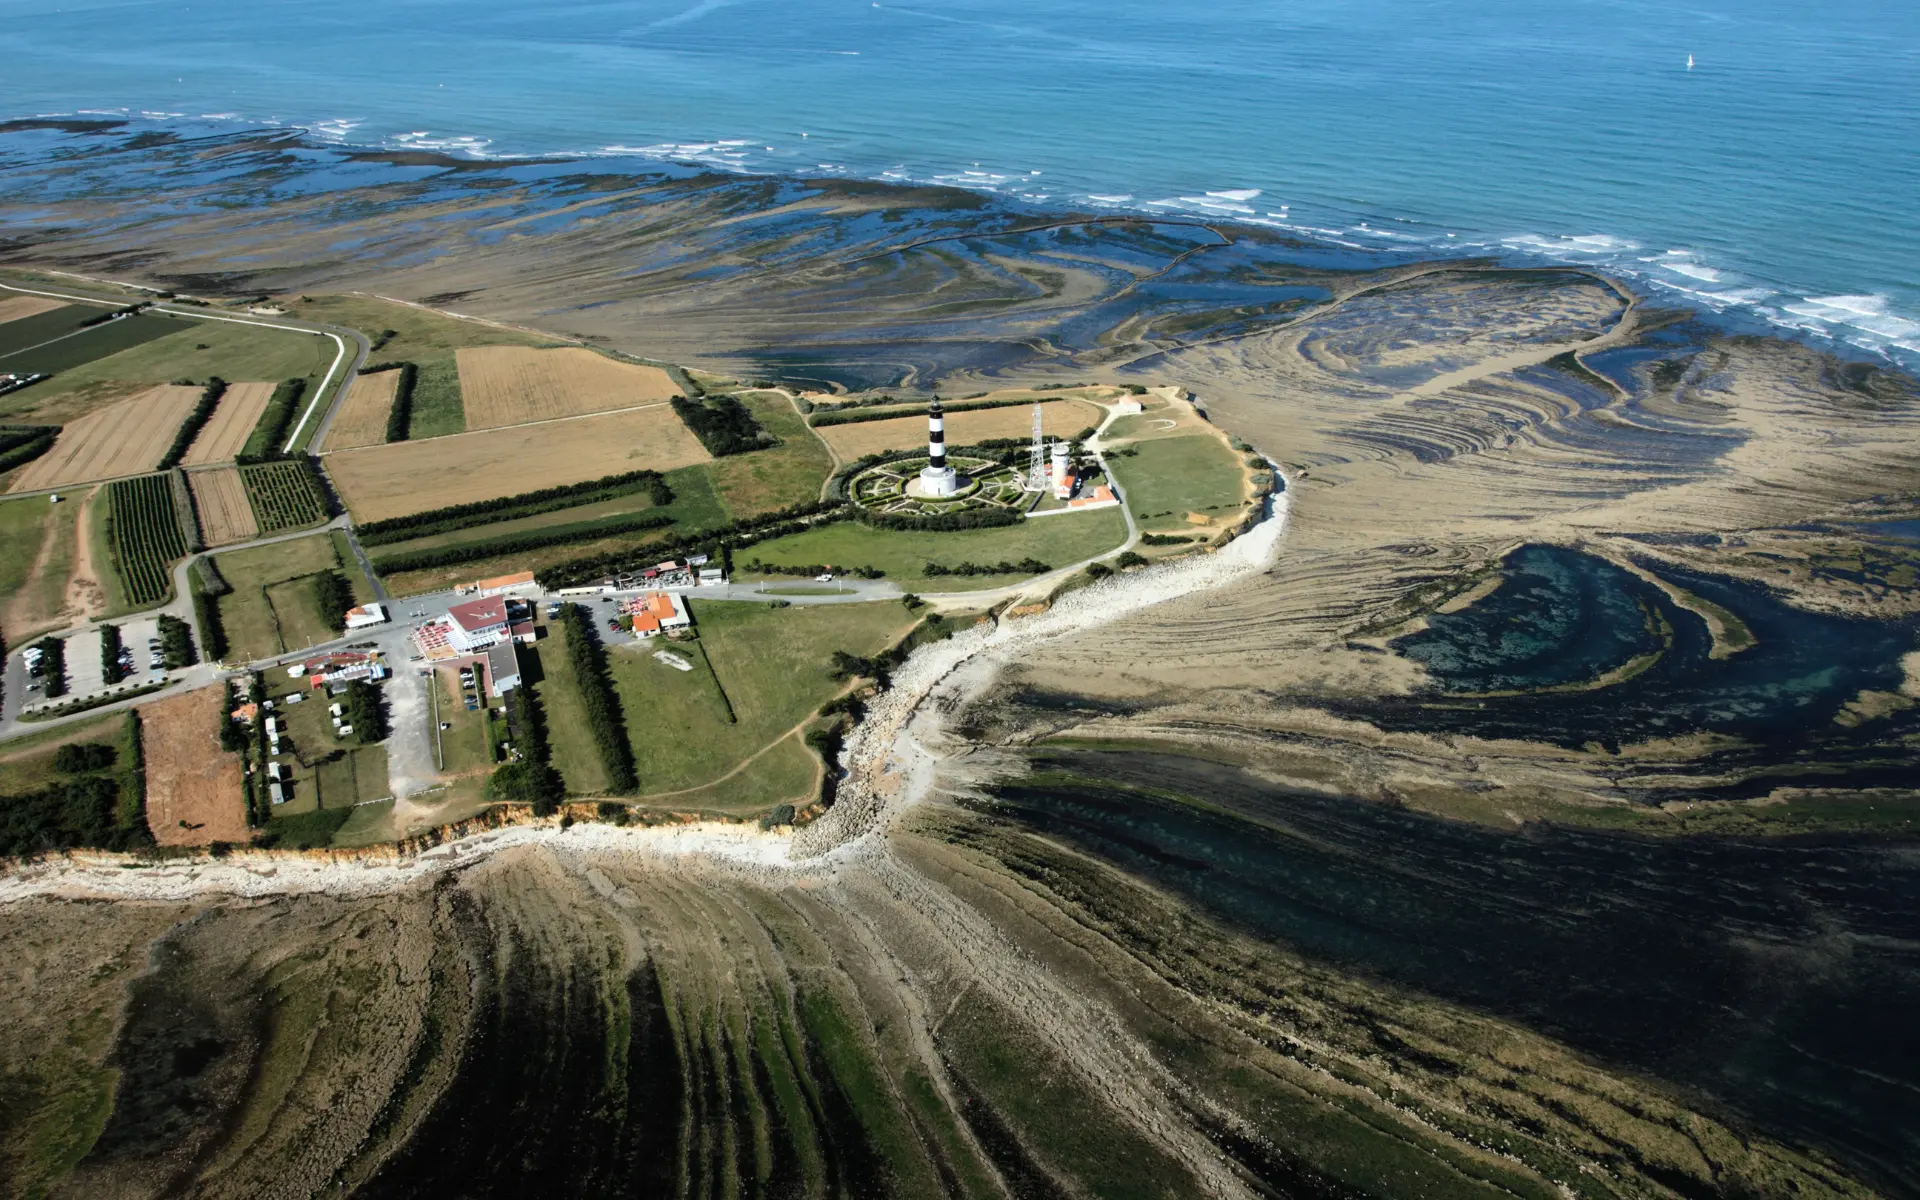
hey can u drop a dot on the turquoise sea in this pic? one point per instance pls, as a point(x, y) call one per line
point(1775, 179)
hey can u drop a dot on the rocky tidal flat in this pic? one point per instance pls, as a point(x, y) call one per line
point(1526, 806)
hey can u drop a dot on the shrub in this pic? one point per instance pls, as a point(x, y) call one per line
point(80, 757)
point(54, 667)
point(21, 444)
point(527, 782)
point(366, 711)
point(1098, 571)
point(111, 672)
point(1129, 559)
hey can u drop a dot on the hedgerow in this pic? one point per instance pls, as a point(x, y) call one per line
point(506, 508)
point(604, 718)
point(723, 425)
point(195, 422)
point(447, 556)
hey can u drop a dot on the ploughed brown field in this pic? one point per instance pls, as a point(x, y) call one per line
point(12, 308)
point(362, 419)
point(220, 496)
point(511, 385)
point(1062, 418)
point(225, 433)
point(126, 438)
point(398, 478)
point(193, 786)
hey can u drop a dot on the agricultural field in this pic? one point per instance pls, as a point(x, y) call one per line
point(92, 344)
point(1061, 418)
point(436, 410)
point(193, 787)
point(283, 496)
point(377, 482)
point(511, 385)
point(1190, 482)
point(226, 432)
point(39, 543)
point(124, 438)
point(362, 419)
point(271, 608)
point(14, 308)
point(769, 665)
point(29, 328)
point(1057, 541)
point(147, 539)
point(220, 497)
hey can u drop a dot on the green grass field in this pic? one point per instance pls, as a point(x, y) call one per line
point(1057, 541)
point(772, 665)
point(245, 612)
point(98, 343)
point(416, 331)
point(465, 748)
point(233, 352)
point(26, 763)
point(1193, 472)
point(330, 775)
point(16, 336)
point(23, 530)
point(575, 754)
point(437, 407)
point(790, 473)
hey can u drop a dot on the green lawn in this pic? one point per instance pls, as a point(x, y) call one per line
point(1177, 475)
point(1057, 541)
point(236, 353)
point(772, 665)
point(245, 613)
point(575, 754)
point(329, 773)
point(366, 825)
point(790, 473)
point(465, 748)
point(301, 622)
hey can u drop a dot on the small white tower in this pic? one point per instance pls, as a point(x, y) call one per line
point(1062, 473)
point(937, 478)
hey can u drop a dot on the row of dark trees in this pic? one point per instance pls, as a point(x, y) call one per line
point(537, 539)
point(604, 718)
point(400, 416)
point(755, 565)
point(176, 642)
point(195, 422)
point(21, 444)
point(334, 596)
point(271, 433)
point(532, 780)
point(94, 804)
point(1026, 566)
point(521, 504)
point(723, 541)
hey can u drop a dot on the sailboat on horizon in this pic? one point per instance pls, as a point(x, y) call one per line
point(1689, 62)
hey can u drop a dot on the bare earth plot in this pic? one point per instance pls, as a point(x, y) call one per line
point(226, 433)
point(15, 307)
point(220, 496)
point(362, 419)
point(126, 438)
point(193, 787)
point(510, 385)
point(1060, 418)
point(398, 478)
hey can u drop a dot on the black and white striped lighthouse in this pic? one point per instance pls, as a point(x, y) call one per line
point(937, 478)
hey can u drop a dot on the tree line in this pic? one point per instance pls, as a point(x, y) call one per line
point(21, 444)
point(861, 413)
point(400, 415)
point(723, 540)
point(1026, 566)
point(196, 421)
point(93, 805)
point(264, 444)
point(604, 718)
point(447, 556)
point(532, 780)
point(521, 504)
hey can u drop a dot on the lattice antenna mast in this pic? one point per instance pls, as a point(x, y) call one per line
point(1037, 461)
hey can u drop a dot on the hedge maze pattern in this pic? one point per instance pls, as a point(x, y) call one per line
point(283, 495)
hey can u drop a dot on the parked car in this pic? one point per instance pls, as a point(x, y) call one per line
point(613, 627)
point(827, 578)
